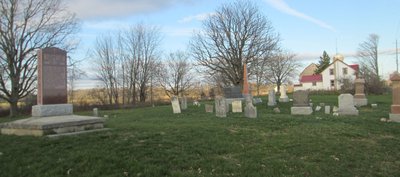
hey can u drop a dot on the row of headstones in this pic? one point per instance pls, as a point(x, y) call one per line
point(222, 107)
point(178, 104)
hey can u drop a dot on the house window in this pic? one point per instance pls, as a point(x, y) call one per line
point(344, 71)
point(331, 71)
point(332, 83)
point(314, 83)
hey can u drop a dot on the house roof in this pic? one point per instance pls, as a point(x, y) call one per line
point(311, 78)
point(355, 67)
point(309, 70)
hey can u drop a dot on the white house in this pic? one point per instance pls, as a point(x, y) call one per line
point(332, 78)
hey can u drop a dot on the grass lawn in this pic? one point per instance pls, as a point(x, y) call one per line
point(155, 142)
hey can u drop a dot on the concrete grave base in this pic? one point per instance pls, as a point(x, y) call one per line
point(40, 126)
point(301, 110)
point(394, 117)
point(347, 112)
point(284, 100)
point(360, 102)
point(52, 110)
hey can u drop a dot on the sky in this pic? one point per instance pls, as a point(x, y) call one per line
point(306, 27)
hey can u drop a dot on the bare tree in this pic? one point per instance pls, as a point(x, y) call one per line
point(368, 60)
point(25, 26)
point(143, 44)
point(74, 73)
point(176, 75)
point(107, 67)
point(280, 68)
point(238, 33)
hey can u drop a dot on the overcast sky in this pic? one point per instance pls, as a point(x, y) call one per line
point(307, 27)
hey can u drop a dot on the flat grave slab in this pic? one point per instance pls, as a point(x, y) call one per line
point(40, 126)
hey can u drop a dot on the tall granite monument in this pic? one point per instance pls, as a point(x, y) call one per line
point(395, 108)
point(359, 96)
point(52, 114)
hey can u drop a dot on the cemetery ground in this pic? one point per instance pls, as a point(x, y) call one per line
point(155, 142)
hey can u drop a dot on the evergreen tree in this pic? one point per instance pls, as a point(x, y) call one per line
point(323, 63)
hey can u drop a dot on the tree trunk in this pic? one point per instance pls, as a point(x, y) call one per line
point(13, 108)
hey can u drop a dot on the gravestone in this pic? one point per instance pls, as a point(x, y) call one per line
point(283, 98)
point(374, 105)
point(301, 105)
point(359, 96)
point(52, 94)
point(271, 98)
point(52, 115)
point(176, 108)
point(95, 112)
point(220, 106)
point(183, 103)
point(52, 76)
point(395, 107)
point(257, 100)
point(327, 109)
point(250, 111)
point(209, 108)
point(277, 110)
point(237, 106)
point(233, 92)
point(346, 105)
point(318, 108)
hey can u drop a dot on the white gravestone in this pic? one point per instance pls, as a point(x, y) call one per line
point(346, 105)
point(175, 105)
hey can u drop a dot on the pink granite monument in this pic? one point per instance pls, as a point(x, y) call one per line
point(395, 108)
point(52, 76)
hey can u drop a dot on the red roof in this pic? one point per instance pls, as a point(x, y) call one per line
point(355, 67)
point(311, 78)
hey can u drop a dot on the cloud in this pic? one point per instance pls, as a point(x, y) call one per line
point(89, 9)
point(198, 17)
point(283, 7)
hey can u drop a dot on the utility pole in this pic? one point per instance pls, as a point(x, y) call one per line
point(397, 58)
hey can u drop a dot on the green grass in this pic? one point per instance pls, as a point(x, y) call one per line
point(155, 142)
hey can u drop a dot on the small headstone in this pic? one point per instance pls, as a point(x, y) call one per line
point(95, 112)
point(374, 105)
point(301, 105)
point(327, 109)
point(105, 116)
point(220, 106)
point(322, 104)
point(277, 110)
point(346, 105)
point(311, 104)
point(175, 105)
point(335, 109)
point(283, 98)
point(257, 100)
point(183, 103)
point(209, 108)
point(250, 111)
point(196, 103)
point(237, 106)
point(318, 108)
point(271, 98)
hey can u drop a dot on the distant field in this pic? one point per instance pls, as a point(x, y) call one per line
point(155, 142)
